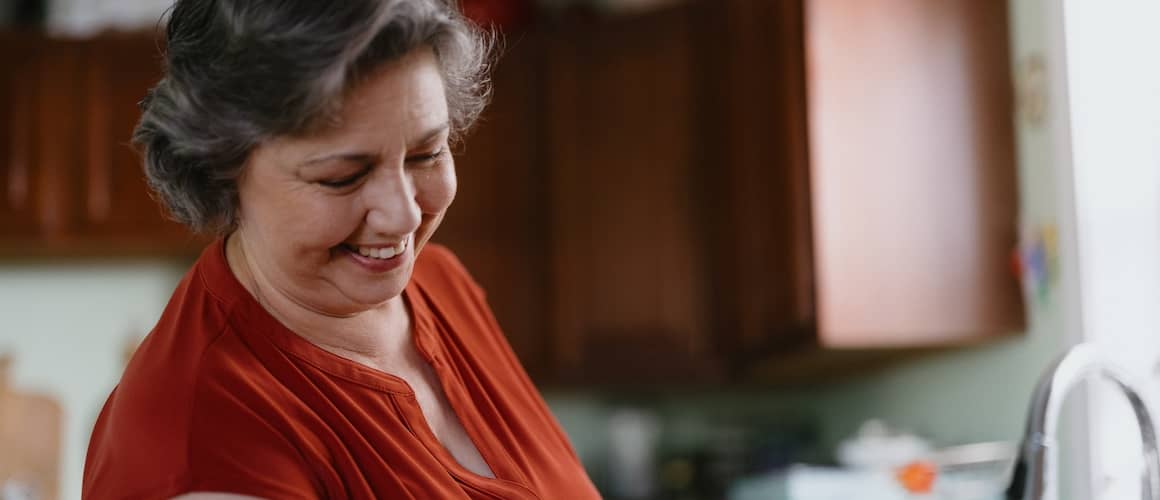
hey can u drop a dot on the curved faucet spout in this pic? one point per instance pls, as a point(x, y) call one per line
point(1036, 471)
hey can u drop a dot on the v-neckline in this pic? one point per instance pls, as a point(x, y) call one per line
point(424, 330)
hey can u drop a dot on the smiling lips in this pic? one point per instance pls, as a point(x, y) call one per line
point(380, 252)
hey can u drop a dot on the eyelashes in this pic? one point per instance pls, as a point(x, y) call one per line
point(344, 182)
point(428, 158)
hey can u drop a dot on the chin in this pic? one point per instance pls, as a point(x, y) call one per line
point(372, 295)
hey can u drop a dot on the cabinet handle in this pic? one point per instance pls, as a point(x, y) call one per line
point(21, 127)
point(99, 185)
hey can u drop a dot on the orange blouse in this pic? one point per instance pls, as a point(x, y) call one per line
point(222, 397)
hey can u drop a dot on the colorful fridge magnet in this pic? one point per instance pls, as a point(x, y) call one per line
point(1036, 261)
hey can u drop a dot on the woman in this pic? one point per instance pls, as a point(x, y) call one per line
point(321, 348)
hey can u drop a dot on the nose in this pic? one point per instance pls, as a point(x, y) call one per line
point(389, 198)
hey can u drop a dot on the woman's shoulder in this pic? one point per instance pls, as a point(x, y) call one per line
point(184, 414)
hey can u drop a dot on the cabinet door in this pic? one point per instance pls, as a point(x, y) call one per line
point(58, 140)
point(73, 186)
point(756, 175)
point(629, 287)
point(116, 209)
point(912, 171)
point(19, 183)
point(497, 225)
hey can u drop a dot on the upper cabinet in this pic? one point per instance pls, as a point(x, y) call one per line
point(631, 293)
point(20, 183)
point(44, 127)
point(738, 189)
point(741, 189)
point(117, 209)
point(755, 179)
point(912, 169)
point(707, 192)
point(74, 186)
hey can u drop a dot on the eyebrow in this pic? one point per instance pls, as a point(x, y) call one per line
point(425, 138)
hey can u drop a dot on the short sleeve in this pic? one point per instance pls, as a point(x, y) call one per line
point(240, 443)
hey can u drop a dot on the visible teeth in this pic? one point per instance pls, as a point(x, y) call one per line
point(382, 253)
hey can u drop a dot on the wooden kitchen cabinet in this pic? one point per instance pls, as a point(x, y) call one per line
point(20, 182)
point(745, 191)
point(631, 293)
point(73, 184)
point(118, 210)
point(573, 210)
point(46, 138)
point(912, 169)
point(713, 191)
point(757, 180)
point(878, 217)
point(778, 190)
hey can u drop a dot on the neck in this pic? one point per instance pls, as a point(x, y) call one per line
point(373, 337)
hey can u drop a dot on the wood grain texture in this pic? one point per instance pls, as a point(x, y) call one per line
point(73, 185)
point(628, 257)
point(18, 122)
point(758, 169)
point(118, 206)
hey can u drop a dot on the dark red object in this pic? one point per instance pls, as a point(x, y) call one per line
point(507, 15)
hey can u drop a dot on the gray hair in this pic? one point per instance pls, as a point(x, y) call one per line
point(239, 72)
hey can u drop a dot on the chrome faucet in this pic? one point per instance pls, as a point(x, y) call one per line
point(1036, 476)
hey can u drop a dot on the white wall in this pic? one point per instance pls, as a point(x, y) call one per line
point(67, 325)
point(1114, 83)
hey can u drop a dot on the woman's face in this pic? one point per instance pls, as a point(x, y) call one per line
point(334, 220)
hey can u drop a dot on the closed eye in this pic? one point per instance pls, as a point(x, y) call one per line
point(343, 182)
point(427, 158)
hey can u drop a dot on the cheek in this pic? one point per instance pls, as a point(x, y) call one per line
point(435, 189)
point(300, 222)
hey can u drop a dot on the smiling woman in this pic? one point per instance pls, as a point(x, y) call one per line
point(320, 348)
point(337, 217)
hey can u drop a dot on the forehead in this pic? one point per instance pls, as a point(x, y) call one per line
point(395, 100)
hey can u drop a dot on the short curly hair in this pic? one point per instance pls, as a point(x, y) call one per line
point(239, 72)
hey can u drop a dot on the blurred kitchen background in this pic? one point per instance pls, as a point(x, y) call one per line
point(747, 248)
